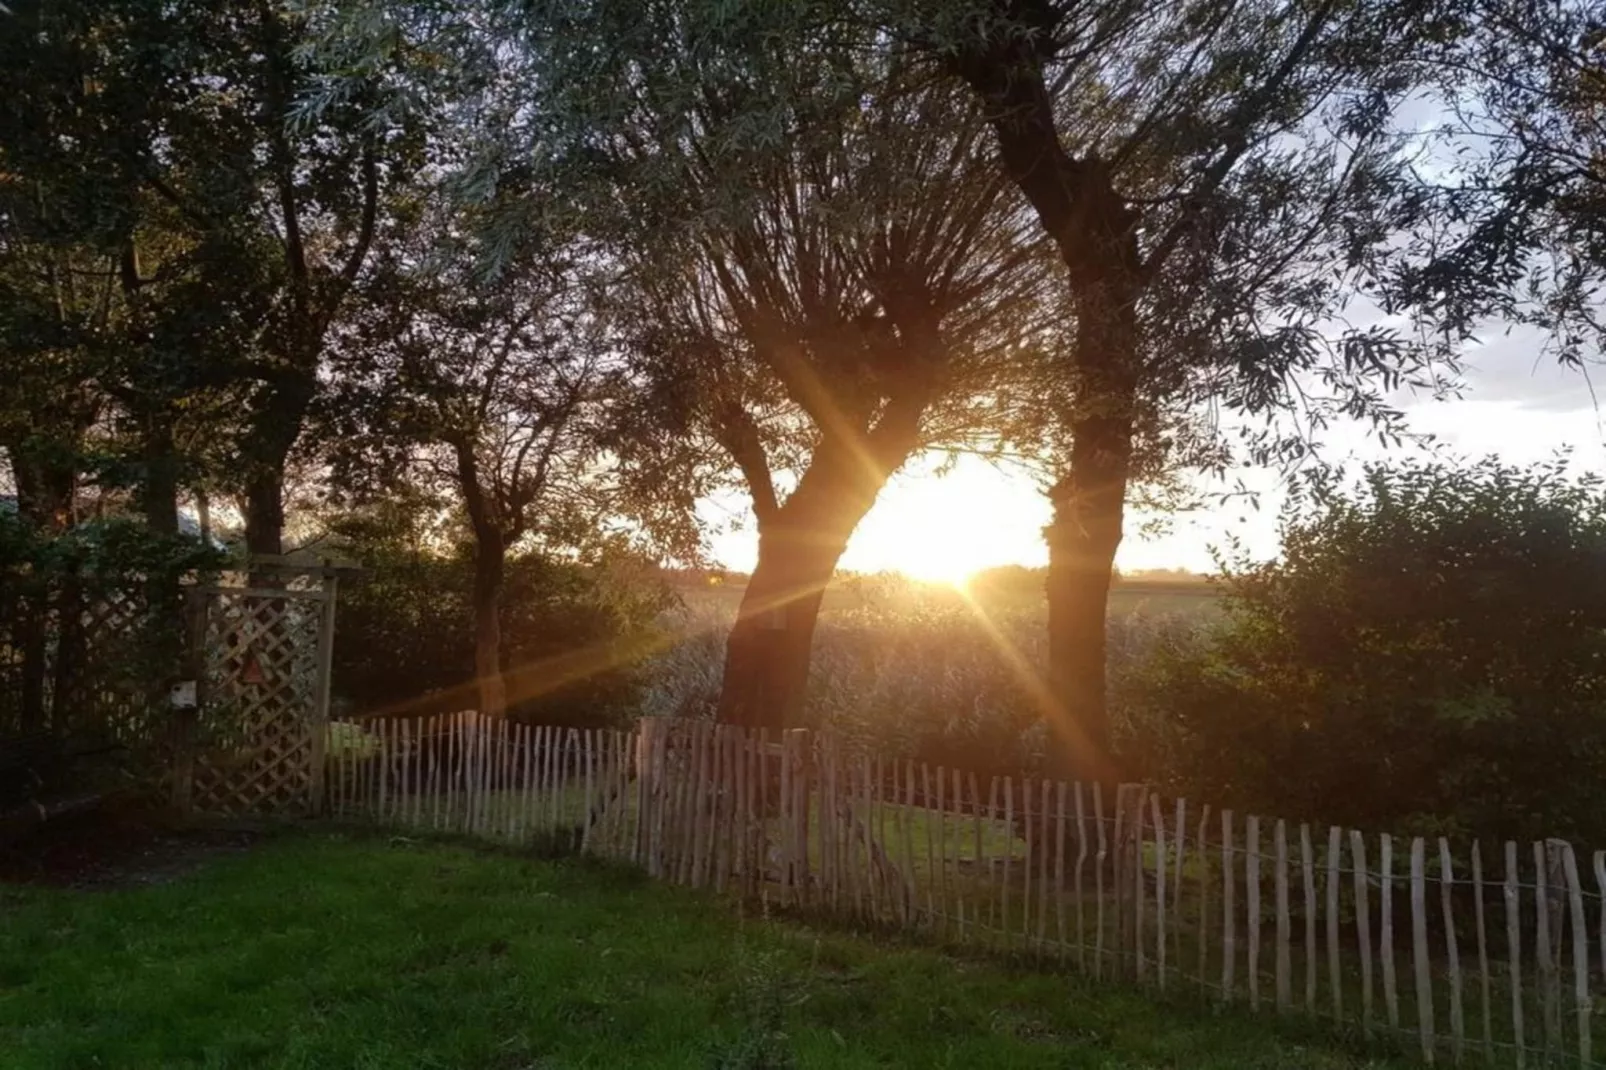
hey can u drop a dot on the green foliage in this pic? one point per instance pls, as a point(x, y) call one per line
point(1426, 656)
point(405, 629)
point(91, 681)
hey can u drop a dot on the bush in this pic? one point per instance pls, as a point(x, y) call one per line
point(91, 628)
point(1428, 656)
point(405, 629)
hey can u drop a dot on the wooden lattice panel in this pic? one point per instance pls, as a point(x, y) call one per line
point(115, 698)
point(257, 731)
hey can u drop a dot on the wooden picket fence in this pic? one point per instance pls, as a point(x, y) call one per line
point(1462, 953)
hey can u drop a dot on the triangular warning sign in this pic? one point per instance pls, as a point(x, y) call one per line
point(252, 672)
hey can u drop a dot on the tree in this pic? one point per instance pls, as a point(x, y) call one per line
point(1218, 180)
point(494, 391)
point(1514, 187)
point(219, 238)
point(405, 627)
point(1423, 657)
point(847, 287)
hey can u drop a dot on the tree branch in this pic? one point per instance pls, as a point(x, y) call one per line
point(370, 211)
point(1239, 141)
point(737, 433)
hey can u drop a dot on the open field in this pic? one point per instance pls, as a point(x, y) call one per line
point(1127, 598)
point(326, 950)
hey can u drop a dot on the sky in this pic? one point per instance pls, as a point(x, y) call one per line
point(1518, 404)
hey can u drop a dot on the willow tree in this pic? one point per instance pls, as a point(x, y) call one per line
point(1516, 229)
point(1220, 179)
point(847, 285)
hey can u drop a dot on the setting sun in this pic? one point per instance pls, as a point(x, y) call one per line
point(943, 529)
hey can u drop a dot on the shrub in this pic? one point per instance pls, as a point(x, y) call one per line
point(91, 628)
point(404, 629)
point(1429, 655)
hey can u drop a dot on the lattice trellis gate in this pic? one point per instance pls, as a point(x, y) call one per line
point(253, 741)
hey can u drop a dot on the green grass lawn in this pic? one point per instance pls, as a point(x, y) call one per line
point(323, 950)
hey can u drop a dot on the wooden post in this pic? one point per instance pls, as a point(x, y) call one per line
point(725, 823)
point(1081, 859)
point(696, 816)
point(1159, 887)
point(187, 715)
point(796, 749)
point(1419, 942)
point(1009, 852)
point(1252, 885)
point(959, 845)
point(1599, 866)
point(1483, 954)
point(1285, 996)
point(1229, 908)
point(912, 874)
point(1028, 851)
point(1458, 1026)
point(753, 836)
point(1204, 898)
point(404, 768)
point(1042, 862)
point(1513, 896)
point(1549, 976)
point(1060, 830)
point(1180, 825)
point(1134, 856)
point(1098, 879)
point(1582, 1003)
point(454, 768)
point(439, 773)
point(1118, 876)
point(1307, 865)
point(646, 788)
point(940, 860)
point(1391, 995)
point(385, 756)
point(1363, 924)
point(1335, 975)
point(323, 680)
point(527, 796)
point(591, 744)
point(928, 820)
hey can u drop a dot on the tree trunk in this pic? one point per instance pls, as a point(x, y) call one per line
point(275, 427)
point(489, 571)
point(264, 512)
point(203, 515)
point(1095, 231)
point(45, 492)
point(767, 654)
point(1085, 532)
point(159, 492)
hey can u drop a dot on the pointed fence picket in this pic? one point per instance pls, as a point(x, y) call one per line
point(1121, 883)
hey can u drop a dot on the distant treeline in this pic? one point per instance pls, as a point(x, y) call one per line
point(999, 576)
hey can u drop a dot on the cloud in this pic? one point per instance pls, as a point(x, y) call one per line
point(1517, 366)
